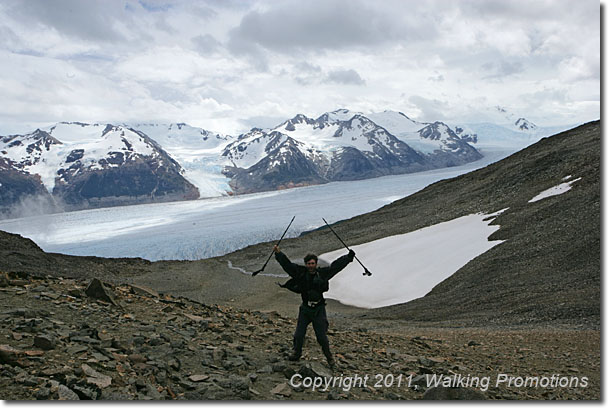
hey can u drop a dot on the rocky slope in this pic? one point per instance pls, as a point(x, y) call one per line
point(70, 339)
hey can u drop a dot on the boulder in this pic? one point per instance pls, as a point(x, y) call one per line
point(64, 393)
point(45, 342)
point(4, 281)
point(144, 291)
point(96, 378)
point(8, 354)
point(314, 369)
point(97, 290)
point(282, 389)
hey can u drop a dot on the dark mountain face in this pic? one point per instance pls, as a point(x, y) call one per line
point(139, 180)
point(285, 166)
point(126, 177)
point(18, 188)
point(358, 149)
point(458, 150)
point(123, 172)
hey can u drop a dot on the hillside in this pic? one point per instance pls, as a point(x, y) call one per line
point(66, 339)
point(546, 271)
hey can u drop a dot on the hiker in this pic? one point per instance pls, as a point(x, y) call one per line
point(311, 281)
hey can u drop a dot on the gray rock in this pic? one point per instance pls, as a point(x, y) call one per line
point(174, 364)
point(8, 354)
point(18, 312)
point(314, 369)
point(97, 290)
point(45, 342)
point(453, 393)
point(85, 339)
point(278, 367)
point(144, 291)
point(282, 389)
point(239, 383)
point(115, 396)
point(196, 395)
point(4, 281)
point(152, 392)
point(85, 393)
point(26, 380)
point(419, 383)
point(64, 393)
point(188, 385)
point(96, 378)
point(156, 341)
point(44, 393)
point(393, 396)
point(333, 395)
point(75, 293)
point(72, 350)
point(265, 369)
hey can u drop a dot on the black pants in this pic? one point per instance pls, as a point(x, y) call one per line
point(308, 315)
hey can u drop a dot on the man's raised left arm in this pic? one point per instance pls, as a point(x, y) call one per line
point(339, 264)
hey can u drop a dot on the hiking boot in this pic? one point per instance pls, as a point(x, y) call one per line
point(329, 357)
point(294, 356)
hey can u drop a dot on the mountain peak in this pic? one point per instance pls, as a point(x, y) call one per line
point(525, 125)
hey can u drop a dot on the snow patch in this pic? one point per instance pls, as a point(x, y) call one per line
point(556, 190)
point(408, 266)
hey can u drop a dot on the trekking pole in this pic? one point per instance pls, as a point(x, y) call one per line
point(277, 244)
point(366, 271)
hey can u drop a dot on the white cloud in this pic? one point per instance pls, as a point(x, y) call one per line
point(233, 62)
point(345, 77)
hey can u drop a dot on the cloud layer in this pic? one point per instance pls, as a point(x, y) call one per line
point(224, 64)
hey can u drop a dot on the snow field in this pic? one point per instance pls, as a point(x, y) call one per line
point(556, 190)
point(408, 266)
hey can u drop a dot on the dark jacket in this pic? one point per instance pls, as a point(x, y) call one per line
point(310, 286)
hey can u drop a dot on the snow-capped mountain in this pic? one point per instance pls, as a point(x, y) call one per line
point(84, 165)
point(426, 137)
point(87, 165)
point(183, 136)
point(197, 150)
point(504, 117)
point(341, 145)
point(97, 164)
point(525, 125)
point(263, 161)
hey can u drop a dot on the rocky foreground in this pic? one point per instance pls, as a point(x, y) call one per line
point(72, 339)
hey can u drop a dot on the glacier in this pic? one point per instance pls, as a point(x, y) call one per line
point(204, 228)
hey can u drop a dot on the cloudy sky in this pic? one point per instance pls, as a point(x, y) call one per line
point(229, 65)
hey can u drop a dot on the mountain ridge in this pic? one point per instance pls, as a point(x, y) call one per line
point(197, 163)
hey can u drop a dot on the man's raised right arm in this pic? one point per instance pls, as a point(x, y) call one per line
point(289, 267)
